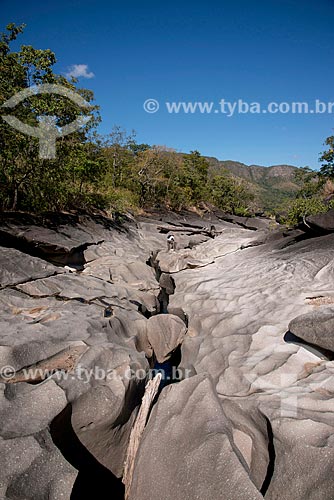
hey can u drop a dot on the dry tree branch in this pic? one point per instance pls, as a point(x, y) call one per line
point(137, 430)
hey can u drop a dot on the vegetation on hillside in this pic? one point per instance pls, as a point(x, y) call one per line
point(111, 172)
point(316, 193)
point(114, 172)
point(274, 187)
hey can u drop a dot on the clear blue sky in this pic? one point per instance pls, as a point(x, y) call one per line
point(261, 50)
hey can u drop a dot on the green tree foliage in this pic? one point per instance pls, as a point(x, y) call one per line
point(195, 175)
point(231, 195)
point(308, 200)
point(158, 178)
point(309, 181)
point(312, 198)
point(303, 207)
point(327, 159)
point(118, 153)
point(111, 172)
point(27, 181)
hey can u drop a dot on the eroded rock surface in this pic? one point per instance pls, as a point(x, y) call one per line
point(15, 269)
point(253, 415)
point(192, 437)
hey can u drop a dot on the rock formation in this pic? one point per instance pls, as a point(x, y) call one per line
point(89, 305)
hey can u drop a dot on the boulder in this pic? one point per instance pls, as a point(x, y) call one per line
point(167, 283)
point(49, 475)
point(322, 222)
point(304, 460)
point(112, 384)
point(165, 332)
point(316, 327)
point(30, 408)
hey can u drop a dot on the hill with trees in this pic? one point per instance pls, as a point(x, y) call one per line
point(273, 186)
point(115, 173)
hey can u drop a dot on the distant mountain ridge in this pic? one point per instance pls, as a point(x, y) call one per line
point(272, 185)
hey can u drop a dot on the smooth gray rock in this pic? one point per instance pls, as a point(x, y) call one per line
point(322, 222)
point(103, 415)
point(197, 239)
point(165, 333)
point(25, 319)
point(304, 460)
point(167, 283)
point(142, 342)
point(316, 327)
point(91, 289)
point(17, 455)
point(58, 238)
point(48, 476)
point(30, 411)
point(16, 267)
point(205, 438)
point(117, 270)
point(250, 436)
point(187, 450)
point(178, 311)
point(253, 223)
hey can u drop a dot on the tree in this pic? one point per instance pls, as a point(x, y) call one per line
point(118, 149)
point(149, 176)
point(27, 181)
point(309, 181)
point(316, 189)
point(327, 157)
point(230, 195)
point(301, 208)
point(196, 169)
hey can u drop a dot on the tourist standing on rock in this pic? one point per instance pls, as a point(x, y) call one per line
point(170, 242)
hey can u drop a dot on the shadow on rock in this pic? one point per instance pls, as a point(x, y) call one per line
point(93, 480)
point(291, 338)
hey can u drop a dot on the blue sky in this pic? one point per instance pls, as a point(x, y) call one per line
point(256, 51)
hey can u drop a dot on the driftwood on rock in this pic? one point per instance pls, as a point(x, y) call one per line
point(212, 232)
point(151, 390)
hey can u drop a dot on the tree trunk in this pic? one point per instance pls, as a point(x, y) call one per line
point(14, 205)
point(137, 430)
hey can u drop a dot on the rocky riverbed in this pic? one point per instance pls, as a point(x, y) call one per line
point(244, 313)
